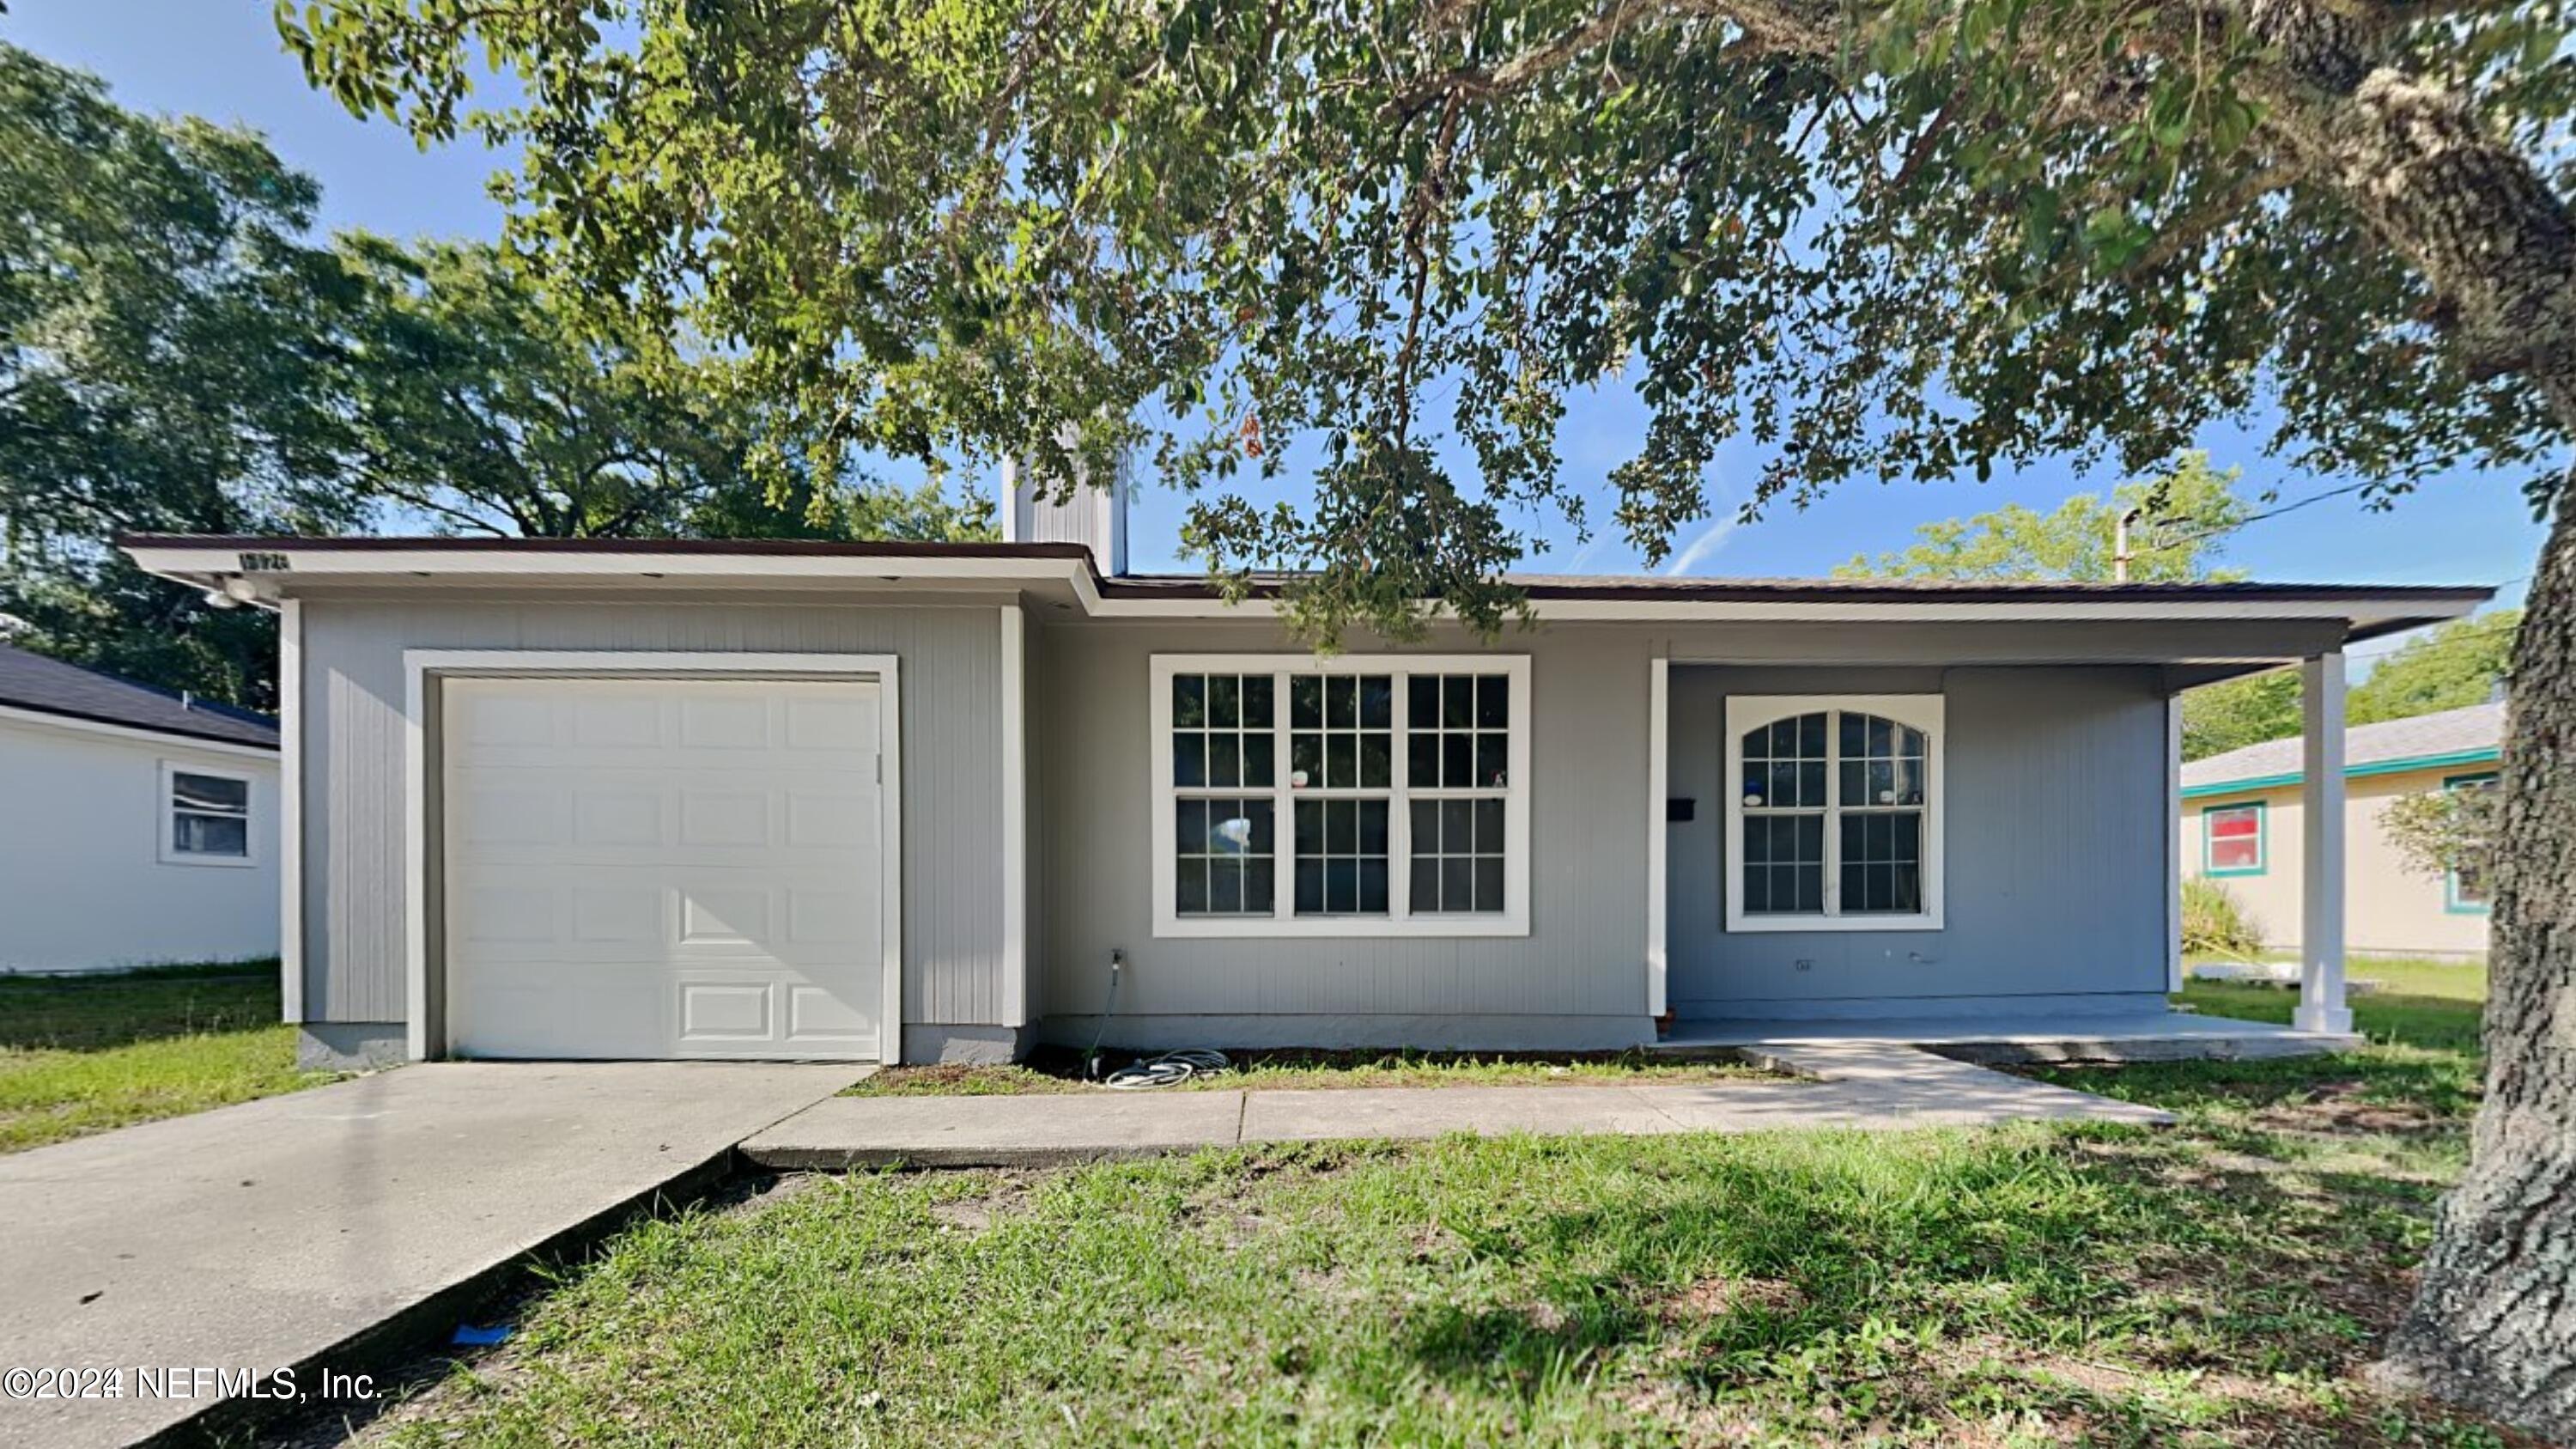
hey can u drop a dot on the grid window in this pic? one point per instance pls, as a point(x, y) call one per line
point(1882, 762)
point(1458, 855)
point(1221, 731)
point(1341, 857)
point(1784, 765)
point(1882, 860)
point(1341, 729)
point(1458, 731)
point(1225, 857)
point(1784, 863)
point(1832, 811)
point(1390, 783)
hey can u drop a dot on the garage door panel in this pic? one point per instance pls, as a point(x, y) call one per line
point(726, 1011)
point(725, 819)
point(818, 1015)
point(821, 726)
point(642, 868)
point(807, 925)
point(618, 721)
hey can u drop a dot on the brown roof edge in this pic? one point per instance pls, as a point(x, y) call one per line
point(819, 547)
point(1881, 592)
point(1740, 590)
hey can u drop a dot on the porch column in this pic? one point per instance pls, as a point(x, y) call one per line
point(2321, 1005)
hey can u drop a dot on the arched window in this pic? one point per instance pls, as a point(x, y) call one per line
point(1833, 815)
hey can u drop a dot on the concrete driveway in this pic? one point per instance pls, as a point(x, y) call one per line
point(269, 1235)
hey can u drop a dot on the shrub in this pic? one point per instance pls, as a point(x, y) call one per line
point(2215, 924)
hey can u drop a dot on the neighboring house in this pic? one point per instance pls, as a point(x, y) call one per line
point(909, 801)
point(2244, 819)
point(139, 826)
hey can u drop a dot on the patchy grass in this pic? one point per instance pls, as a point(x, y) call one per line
point(2402, 1103)
point(2427, 1003)
point(2221, 1283)
point(1058, 1070)
point(83, 1054)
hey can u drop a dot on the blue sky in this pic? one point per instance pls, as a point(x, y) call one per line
point(220, 59)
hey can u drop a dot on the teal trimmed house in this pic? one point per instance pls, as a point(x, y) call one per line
point(2242, 825)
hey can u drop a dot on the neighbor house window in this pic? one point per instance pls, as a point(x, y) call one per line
point(1359, 795)
point(1833, 812)
point(205, 816)
point(2466, 890)
point(2232, 840)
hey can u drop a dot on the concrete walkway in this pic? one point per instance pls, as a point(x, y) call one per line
point(274, 1234)
point(1848, 1085)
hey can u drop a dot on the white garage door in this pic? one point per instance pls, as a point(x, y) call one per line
point(663, 868)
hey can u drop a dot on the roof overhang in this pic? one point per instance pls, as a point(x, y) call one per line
point(272, 569)
point(2404, 765)
point(63, 719)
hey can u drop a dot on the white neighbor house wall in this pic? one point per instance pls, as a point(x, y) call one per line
point(83, 885)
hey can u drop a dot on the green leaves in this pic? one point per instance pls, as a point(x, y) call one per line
point(2179, 523)
point(1911, 239)
point(158, 372)
point(178, 355)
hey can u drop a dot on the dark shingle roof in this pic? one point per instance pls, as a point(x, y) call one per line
point(49, 686)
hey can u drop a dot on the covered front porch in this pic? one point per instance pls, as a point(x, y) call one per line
point(1974, 853)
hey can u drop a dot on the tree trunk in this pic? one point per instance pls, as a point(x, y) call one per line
point(2494, 1326)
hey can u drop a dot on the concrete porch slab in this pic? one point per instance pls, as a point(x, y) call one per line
point(297, 1230)
point(2155, 1036)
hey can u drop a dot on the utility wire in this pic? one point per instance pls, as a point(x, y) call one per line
point(2291, 507)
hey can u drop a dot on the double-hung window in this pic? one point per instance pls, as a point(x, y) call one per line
point(205, 816)
point(2466, 890)
point(1833, 812)
point(2234, 839)
point(1365, 795)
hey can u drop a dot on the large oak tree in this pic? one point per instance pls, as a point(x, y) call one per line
point(179, 352)
point(160, 308)
point(1884, 239)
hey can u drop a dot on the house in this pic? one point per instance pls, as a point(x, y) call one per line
point(140, 825)
point(911, 801)
point(2244, 823)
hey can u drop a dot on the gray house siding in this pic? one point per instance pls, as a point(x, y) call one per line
point(1577, 980)
point(353, 829)
point(2053, 808)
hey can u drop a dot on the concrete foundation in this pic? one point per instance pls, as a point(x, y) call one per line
point(1356, 1032)
point(351, 1046)
point(980, 1044)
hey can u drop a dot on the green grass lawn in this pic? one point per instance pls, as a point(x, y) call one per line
point(82, 1054)
point(1057, 1070)
point(2217, 1284)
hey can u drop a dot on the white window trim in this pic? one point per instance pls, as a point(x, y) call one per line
point(1513, 920)
point(168, 810)
point(1748, 712)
